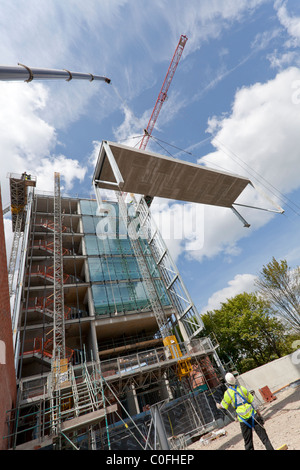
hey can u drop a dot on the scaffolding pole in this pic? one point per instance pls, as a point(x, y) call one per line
point(14, 251)
point(59, 348)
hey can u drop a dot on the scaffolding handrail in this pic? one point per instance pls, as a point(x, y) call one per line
point(50, 225)
point(47, 246)
point(38, 346)
point(48, 273)
point(45, 304)
point(137, 362)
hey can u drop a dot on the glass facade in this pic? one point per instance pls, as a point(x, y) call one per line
point(116, 280)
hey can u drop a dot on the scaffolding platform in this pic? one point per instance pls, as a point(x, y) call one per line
point(19, 185)
point(71, 425)
point(88, 419)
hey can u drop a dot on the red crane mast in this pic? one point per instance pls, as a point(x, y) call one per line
point(163, 92)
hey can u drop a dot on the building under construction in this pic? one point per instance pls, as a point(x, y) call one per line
point(109, 352)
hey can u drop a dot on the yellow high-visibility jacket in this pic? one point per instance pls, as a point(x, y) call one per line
point(241, 400)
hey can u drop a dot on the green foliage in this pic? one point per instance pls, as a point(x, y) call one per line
point(280, 285)
point(247, 331)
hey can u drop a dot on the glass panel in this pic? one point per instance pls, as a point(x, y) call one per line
point(100, 299)
point(103, 246)
point(96, 272)
point(133, 270)
point(127, 295)
point(85, 207)
point(91, 245)
point(116, 299)
point(114, 246)
point(126, 246)
point(114, 260)
point(140, 294)
point(88, 224)
point(163, 295)
point(109, 270)
point(88, 207)
point(94, 207)
point(120, 268)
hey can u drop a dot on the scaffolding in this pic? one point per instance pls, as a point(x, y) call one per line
point(84, 405)
point(81, 407)
point(58, 277)
point(19, 194)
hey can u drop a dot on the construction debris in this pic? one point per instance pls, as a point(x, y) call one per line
point(212, 436)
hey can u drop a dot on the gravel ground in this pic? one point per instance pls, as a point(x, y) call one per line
point(282, 423)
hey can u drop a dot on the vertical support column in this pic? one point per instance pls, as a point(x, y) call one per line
point(15, 250)
point(20, 278)
point(132, 400)
point(59, 349)
point(160, 428)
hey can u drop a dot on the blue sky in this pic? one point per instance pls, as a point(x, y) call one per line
point(234, 104)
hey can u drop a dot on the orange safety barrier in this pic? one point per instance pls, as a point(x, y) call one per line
point(38, 346)
point(41, 245)
point(50, 226)
point(42, 303)
point(48, 273)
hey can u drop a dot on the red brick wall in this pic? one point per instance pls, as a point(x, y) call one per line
point(7, 370)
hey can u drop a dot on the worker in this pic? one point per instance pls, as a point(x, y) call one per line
point(25, 176)
point(248, 417)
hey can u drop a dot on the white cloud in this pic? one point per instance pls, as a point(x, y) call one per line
point(241, 283)
point(200, 21)
point(24, 137)
point(204, 20)
point(282, 60)
point(181, 225)
point(68, 168)
point(262, 131)
point(82, 37)
point(131, 127)
point(260, 140)
point(291, 23)
point(28, 141)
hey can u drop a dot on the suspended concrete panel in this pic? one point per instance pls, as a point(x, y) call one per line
point(147, 173)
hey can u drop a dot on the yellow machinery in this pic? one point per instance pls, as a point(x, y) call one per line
point(184, 366)
point(18, 196)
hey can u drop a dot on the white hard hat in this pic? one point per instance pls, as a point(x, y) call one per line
point(230, 379)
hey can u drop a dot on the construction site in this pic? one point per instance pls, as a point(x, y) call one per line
point(104, 329)
point(108, 345)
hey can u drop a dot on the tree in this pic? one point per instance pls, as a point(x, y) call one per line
point(247, 332)
point(280, 285)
